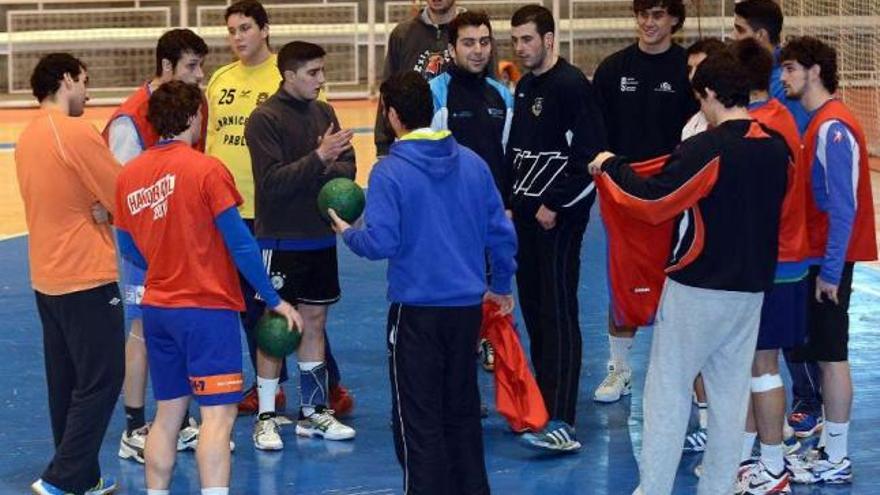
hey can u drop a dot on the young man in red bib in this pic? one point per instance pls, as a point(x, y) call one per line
point(840, 229)
point(180, 54)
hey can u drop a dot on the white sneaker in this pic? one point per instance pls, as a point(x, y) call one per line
point(324, 424)
point(267, 435)
point(758, 480)
point(188, 438)
point(132, 446)
point(614, 386)
point(815, 467)
point(799, 466)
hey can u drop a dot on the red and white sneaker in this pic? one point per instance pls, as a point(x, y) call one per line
point(758, 480)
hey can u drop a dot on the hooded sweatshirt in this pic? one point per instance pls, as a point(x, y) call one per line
point(433, 211)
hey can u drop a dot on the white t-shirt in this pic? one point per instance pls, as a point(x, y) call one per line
point(694, 126)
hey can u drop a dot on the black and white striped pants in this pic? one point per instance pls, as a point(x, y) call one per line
point(548, 272)
point(435, 399)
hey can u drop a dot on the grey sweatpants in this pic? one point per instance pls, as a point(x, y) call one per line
point(712, 332)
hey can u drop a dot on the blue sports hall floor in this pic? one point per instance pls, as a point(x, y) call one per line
point(611, 433)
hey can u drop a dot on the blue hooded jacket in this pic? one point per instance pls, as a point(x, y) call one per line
point(433, 211)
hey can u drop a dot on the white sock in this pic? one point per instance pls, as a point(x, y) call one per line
point(748, 444)
point(836, 440)
point(266, 389)
point(823, 435)
point(703, 414)
point(216, 490)
point(620, 347)
point(151, 491)
point(772, 457)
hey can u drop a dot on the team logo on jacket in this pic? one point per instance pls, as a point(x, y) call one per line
point(432, 64)
point(629, 84)
point(664, 87)
point(536, 170)
point(537, 106)
point(277, 280)
point(262, 97)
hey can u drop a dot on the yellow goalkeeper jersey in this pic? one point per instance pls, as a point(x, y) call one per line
point(234, 91)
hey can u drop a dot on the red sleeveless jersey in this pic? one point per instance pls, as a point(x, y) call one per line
point(793, 244)
point(862, 242)
point(135, 108)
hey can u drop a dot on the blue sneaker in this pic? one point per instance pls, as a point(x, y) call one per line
point(557, 436)
point(805, 424)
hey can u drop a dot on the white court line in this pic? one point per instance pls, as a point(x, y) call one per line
point(12, 236)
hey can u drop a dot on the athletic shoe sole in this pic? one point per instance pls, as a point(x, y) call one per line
point(808, 433)
point(572, 448)
point(608, 399)
point(314, 432)
point(259, 446)
point(128, 452)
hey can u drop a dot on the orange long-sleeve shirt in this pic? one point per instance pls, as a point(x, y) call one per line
point(63, 168)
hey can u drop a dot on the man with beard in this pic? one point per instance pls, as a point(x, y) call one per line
point(475, 107)
point(63, 168)
point(556, 131)
point(840, 229)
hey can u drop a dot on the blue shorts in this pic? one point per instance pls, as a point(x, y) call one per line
point(784, 316)
point(132, 288)
point(194, 352)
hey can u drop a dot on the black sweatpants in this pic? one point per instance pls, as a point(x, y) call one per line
point(254, 309)
point(548, 271)
point(84, 352)
point(435, 401)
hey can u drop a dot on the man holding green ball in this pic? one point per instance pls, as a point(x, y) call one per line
point(192, 298)
point(296, 146)
point(433, 213)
